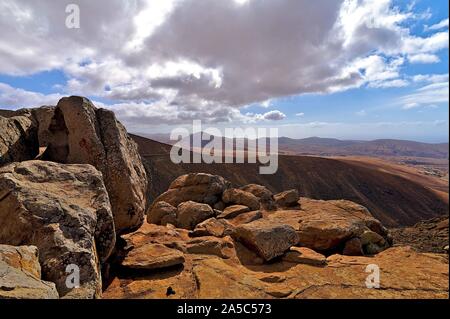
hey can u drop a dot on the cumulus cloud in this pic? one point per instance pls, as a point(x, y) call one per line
point(168, 61)
point(274, 116)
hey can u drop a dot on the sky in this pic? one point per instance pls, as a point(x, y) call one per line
point(345, 69)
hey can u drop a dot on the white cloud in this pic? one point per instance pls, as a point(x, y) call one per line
point(274, 115)
point(411, 105)
point(13, 98)
point(170, 55)
point(441, 25)
point(424, 58)
point(428, 95)
point(301, 114)
point(430, 78)
point(389, 84)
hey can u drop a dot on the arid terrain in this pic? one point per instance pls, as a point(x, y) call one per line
point(395, 194)
point(78, 192)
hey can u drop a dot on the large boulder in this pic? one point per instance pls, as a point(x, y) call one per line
point(287, 198)
point(64, 210)
point(331, 223)
point(197, 187)
point(20, 274)
point(236, 196)
point(76, 132)
point(190, 213)
point(268, 239)
point(18, 138)
point(328, 225)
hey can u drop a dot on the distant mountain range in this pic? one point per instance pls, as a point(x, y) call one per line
point(394, 199)
point(335, 147)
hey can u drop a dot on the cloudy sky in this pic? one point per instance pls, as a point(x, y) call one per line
point(345, 69)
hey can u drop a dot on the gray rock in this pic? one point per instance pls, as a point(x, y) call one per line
point(64, 210)
point(76, 132)
point(20, 274)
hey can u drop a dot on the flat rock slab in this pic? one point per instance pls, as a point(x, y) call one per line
point(152, 256)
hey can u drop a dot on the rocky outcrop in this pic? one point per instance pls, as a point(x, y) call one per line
point(268, 239)
point(18, 138)
point(20, 274)
point(197, 187)
point(287, 198)
point(236, 196)
point(258, 254)
point(64, 210)
point(404, 274)
point(75, 131)
point(327, 225)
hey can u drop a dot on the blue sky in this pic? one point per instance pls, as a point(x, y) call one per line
point(350, 70)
